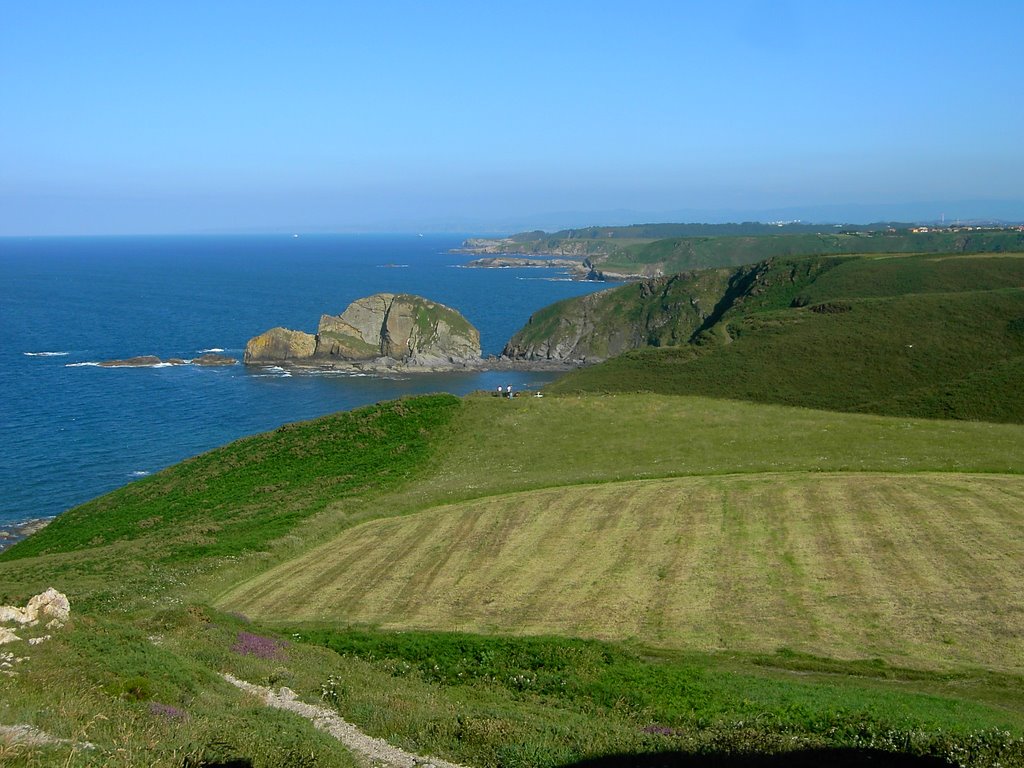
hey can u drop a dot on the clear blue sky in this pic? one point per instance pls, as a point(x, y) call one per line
point(120, 117)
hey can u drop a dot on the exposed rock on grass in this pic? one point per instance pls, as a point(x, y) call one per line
point(29, 735)
point(49, 604)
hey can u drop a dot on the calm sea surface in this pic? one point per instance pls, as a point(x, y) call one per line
point(70, 431)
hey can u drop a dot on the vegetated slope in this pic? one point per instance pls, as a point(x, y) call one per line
point(919, 569)
point(937, 356)
point(923, 336)
point(660, 312)
point(232, 500)
point(501, 446)
point(455, 567)
point(898, 276)
point(137, 670)
point(678, 254)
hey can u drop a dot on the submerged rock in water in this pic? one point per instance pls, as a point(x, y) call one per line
point(141, 361)
point(150, 361)
point(213, 359)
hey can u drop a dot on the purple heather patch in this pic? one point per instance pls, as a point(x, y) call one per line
point(167, 711)
point(249, 644)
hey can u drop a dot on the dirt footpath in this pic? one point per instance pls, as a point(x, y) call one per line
point(377, 751)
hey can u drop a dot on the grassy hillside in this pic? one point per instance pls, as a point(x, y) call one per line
point(679, 254)
point(935, 356)
point(226, 503)
point(539, 483)
point(924, 336)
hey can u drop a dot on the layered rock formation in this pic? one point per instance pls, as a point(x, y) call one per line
point(688, 308)
point(659, 312)
point(386, 328)
point(280, 344)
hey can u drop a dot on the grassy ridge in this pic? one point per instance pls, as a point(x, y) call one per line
point(931, 355)
point(667, 249)
point(880, 276)
point(505, 446)
point(137, 544)
point(257, 488)
point(679, 254)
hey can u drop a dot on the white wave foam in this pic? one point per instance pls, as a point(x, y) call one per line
point(333, 372)
point(140, 473)
point(549, 279)
point(45, 354)
point(101, 365)
point(273, 372)
point(211, 349)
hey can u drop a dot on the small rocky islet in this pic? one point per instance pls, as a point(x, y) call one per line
point(385, 330)
point(209, 360)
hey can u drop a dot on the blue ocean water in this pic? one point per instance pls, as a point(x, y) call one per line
point(71, 431)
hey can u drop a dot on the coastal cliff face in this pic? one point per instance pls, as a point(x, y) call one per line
point(655, 312)
point(280, 344)
point(665, 311)
point(396, 327)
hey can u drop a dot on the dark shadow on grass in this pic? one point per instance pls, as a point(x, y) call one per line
point(808, 758)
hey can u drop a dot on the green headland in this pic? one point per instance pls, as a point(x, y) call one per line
point(782, 523)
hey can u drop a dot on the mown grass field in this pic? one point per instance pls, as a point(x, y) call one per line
point(916, 569)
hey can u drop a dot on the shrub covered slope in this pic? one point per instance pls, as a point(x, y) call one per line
point(930, 337)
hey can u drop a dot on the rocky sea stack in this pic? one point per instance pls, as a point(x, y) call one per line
point(384, 329)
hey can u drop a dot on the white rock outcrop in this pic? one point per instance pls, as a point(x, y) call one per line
point(50, 605)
